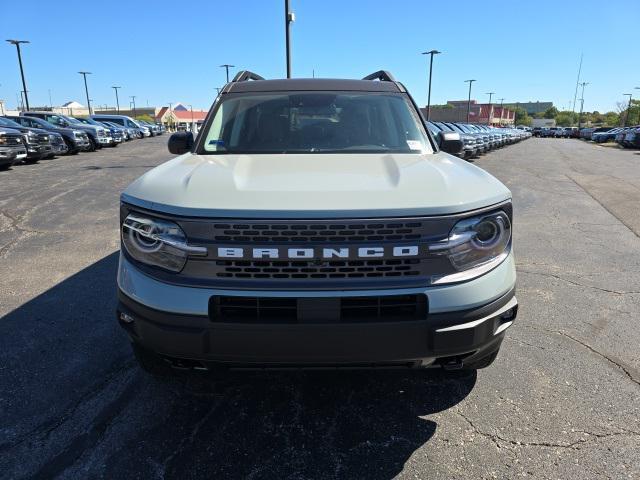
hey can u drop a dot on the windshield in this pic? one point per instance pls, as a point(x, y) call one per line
point(4, 122)
point(316, 122)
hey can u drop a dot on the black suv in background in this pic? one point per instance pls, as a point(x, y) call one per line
point(12, 149)
point(76, 140)
point(97, 135)
point(35, 140)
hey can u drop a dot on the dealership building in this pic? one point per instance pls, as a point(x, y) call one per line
point(484, 113)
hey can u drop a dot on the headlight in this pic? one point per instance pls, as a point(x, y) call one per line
point(475, 246)
point(157, 242)
point(77, 134)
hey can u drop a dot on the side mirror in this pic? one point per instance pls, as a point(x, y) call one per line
point(180, 142)
point(451, 142)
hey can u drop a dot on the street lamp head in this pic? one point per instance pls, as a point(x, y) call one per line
point(113, 86)
point(470, 81)
point(18, 42)
point(431, 52)
point(84, 73)
point(227, 65)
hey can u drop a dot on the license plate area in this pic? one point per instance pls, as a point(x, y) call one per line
point(314, 310)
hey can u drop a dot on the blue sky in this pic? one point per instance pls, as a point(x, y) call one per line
point(168, 51)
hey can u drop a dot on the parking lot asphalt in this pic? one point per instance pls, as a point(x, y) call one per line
point(561, 401)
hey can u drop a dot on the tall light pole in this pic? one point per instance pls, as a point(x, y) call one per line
point(226, 66)
point(24, 83)
point(289, 18)
point(489, 113)
point(133, 99)
point(117, 99)
point(469, 100)
point(86, 90)
point(432, 53)
point(581, 104)
point(626, 117)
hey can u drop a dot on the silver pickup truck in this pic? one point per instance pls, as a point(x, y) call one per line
point(316, 223)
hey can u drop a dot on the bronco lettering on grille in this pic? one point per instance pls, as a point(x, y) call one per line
point(319, 252)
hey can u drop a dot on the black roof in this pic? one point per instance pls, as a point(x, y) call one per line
point(380, 81)
point(312, 84)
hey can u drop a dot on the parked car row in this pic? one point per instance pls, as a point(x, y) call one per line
point(556, 132)
point(479, 139)
point(627, 137)
point(33, 136)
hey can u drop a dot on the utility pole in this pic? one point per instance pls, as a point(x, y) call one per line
point(501, 109)
point(289, 18)
point(50, 102)
point(86, 90)
point(432, 53)
point(575, 95)
point(133, 99)
point(489, 113)
point(226, 66)
point(581, 104)
point(24, 83)
point(117, 99)
point(171, 114)
point(469, 100)
point(191, 108)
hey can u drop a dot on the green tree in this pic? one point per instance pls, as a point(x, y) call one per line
point(551, 112)
point(565, 119)
point(522, 117)
point(146, 118)
point(611, 118)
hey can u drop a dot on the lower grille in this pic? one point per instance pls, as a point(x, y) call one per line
point(311, 269)
point(287, 310)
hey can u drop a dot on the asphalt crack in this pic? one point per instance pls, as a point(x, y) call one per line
point(617, 363)
point(578, 284)
point(496, 439)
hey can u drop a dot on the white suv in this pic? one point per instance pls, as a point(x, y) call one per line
point(316, 223)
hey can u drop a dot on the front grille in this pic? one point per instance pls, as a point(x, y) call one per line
point(291, 310)
point(311, 270)
point(318, 232)
point(43, 138)
point(12, 140)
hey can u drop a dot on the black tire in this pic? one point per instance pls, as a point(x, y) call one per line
point(4, 166)
point(151, 362)
point(484, 362)
point(31, 161)
point(94, 145)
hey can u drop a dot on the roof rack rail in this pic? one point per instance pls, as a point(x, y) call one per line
point(246, 75)
point(381, 75)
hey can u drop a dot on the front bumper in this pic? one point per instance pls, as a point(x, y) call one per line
point(10, 155)
point(105, 140)
point(464, 322)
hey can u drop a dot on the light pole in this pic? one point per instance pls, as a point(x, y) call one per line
point(469, 100)
point(289, 18)
point(226, 66)
point(638, 88)
point(86, 90)
point(626, 117)
point(24, 83)
point(489, 113)
point(501, 109)
point(133, 99)
point(117, 99)
point(191, 108)
point(581, 104)
point(171, 114)
point(432, 53)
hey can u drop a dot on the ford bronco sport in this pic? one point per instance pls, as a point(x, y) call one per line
point(315, 223)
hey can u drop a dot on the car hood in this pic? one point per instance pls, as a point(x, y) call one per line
point(315, 186)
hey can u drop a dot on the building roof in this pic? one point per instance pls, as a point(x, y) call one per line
point(315, 84)
point(73, 104)
point(186, 114)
